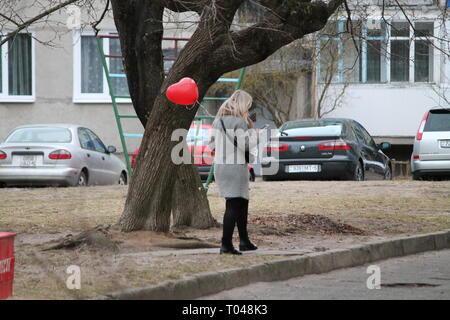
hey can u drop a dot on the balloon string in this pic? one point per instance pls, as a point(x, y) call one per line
point(200, 105)
point(191, 107)
point(205, 110)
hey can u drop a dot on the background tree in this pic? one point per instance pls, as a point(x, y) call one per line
point(273, 83)
point(284, 86)
point(326, 98)
point(214, 49)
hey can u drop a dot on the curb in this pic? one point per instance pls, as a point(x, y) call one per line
point(207, 283)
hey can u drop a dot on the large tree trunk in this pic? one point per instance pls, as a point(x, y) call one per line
point(140, 28)
point(212, 51)
point(150, 196)
point(187, 210)
point(149, 202)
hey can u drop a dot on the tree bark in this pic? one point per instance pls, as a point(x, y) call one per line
point(149, 201)
point(150, 194)
point(148, 204)
point(140, 27)
point(188, 211)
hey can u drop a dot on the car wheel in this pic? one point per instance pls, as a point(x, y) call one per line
point(388, 174)
point(359, 172)
point(82, 179)
point(416, 176)
point(123, 179)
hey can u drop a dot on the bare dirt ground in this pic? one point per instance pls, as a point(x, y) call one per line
point(299, 216)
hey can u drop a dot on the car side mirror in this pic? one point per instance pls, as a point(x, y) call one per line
point(112, 149)
point(384, 146)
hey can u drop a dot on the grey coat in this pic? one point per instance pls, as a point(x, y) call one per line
point(230, 170)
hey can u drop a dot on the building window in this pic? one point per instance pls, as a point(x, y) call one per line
point(400, 47)
point(374, 48)
point(119, 83)
point(376, 52)
point(17, 69)
point(423, 52)
point(169, 59)
point(171, 48)
point(90, 85)
point(91, 66)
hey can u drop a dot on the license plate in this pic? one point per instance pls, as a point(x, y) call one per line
point(303, 168)
point(28, 161)
point(445, 143)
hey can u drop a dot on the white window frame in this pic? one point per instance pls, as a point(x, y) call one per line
point(411, 50)
point(78, 96)
point(412, 38)
point(4, 94)
point(433, 42)
point(364, 50)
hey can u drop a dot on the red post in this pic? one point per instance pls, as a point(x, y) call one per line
point(6, 264)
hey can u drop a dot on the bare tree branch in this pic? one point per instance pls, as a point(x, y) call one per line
point(95, 24)
point(29, 22)
point(185, 5)
point(9, 19)
point(260, 40)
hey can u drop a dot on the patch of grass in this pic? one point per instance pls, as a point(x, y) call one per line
point(53, 210)
point(406, 223)
point(42, 275)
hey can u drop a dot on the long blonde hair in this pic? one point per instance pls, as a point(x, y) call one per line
point(237, 105)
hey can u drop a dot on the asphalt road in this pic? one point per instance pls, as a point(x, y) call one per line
point(423, 276)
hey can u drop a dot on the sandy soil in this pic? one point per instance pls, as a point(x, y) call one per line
point(302, 216)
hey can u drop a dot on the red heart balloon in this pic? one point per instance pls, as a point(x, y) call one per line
point(183, 92)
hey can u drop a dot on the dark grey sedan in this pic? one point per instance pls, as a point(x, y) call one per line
point(58, 154)
point(326, 149)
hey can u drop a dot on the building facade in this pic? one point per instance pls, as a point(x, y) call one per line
point(52, 73)
point(385, 74)
point(388, 71)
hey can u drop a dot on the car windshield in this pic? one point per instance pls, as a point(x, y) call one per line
point(40, 135)
point(438, 120)
point(312, 128)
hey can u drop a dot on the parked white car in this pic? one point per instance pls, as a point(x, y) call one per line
point(431, 154)
point(58, 154)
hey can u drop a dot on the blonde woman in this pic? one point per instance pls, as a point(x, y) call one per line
point(231, 142)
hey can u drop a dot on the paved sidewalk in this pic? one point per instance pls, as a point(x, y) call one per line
point(260, 251)
point(422, 276)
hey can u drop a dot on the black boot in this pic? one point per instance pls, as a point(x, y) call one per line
point(245, 243)
point(228, 250)
point(229, 221)
point(247, 246)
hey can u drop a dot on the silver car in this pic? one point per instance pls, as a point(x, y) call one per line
point(58, 154)
point(431, 155)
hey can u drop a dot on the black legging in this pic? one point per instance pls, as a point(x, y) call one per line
point(236, 213)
